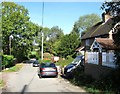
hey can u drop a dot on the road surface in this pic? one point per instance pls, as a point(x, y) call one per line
point(27, 80)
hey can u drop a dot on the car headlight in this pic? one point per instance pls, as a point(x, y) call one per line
point(69, 70)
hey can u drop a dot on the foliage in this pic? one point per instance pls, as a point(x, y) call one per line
point(15, 22)
point(113, 8)
point(2, 83)
point(116, 38)
point(15, 68)
point(52, 37)
point(48, 55)
point(56, 33)
point(55, 46)
point(107, 84)
point(7, 60)
point(68, 44)
point(45, 61)
point(63, 62)
point(85, 22)
point(32, 56)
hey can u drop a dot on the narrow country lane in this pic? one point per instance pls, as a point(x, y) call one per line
point(27, 80)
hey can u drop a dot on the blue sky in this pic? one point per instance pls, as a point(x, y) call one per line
point(62, 14)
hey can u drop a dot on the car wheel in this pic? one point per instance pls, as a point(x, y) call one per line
point(39, 76)
point(56, 76)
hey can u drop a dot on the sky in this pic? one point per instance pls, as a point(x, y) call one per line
point(61, 14)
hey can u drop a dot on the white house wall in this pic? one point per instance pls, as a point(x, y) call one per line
point(107, 58)
point(92, 57)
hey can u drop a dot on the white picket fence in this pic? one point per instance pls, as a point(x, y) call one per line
point(107, 58)
point(92, 57)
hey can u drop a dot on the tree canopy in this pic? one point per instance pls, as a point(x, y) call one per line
point(52, 36)
point(68, 44)
point(112, 7)
point(85, 22)
point(15, 22)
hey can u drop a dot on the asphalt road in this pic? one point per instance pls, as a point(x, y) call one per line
point(27, 80)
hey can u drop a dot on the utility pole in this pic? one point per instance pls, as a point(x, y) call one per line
point(10, 44)
point(42, 30)
point(10, 38)
point(42, 48)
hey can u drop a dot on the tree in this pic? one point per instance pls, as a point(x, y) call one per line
point(52, 37)
point(113, 8)
point(85, 22)
point(55, 34)
point(15, 22)
point(68, 44)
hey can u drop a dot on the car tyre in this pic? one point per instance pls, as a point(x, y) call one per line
point(39, 76)
point(56, 76)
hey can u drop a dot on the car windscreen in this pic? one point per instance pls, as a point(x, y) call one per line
point(36, 62)
point(43, 65)
point(77, 59)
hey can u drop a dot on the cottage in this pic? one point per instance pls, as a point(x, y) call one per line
point(99, 46)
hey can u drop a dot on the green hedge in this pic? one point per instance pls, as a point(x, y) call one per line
point(33, 54)
point(63, 62)
point(7, 60)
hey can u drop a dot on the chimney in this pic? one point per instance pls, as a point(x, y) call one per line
point(106, 16)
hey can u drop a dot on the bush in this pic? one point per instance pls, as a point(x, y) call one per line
point(32, 56)
point(64, 62)
point(7, 60)
point(45, 61)
point(15, 68)
point(109, 82)
point(2, 83)
point(80, 78)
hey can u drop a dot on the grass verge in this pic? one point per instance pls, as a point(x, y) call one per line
point(2, 83)
point(15, 68)
point(64, 62)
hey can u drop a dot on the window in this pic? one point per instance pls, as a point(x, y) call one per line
point(87, 42)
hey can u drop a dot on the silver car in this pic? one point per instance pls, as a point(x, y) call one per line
point(47, 69)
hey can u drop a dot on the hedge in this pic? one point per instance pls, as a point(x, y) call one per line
point(7, 60)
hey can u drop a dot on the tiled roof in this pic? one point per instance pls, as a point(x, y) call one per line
point(100, 29)
point(107, 43)
point(91, 30)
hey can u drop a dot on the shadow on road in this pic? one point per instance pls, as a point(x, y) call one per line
point(63, 76)
point(48, 77)
point(24, 89)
